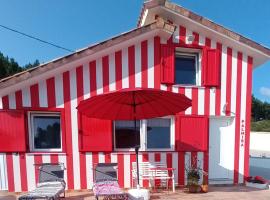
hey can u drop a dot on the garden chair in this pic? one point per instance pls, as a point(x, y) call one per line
point(106, 182)
point(51, 183)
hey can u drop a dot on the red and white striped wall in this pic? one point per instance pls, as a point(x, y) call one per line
point(133, 66)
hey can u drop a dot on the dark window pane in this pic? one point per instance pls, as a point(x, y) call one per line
point(158, 133)
point(125, 134)
point(185, 70)
point(47, 132)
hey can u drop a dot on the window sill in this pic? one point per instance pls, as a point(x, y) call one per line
point(188, 86)
point(142, 151)
point(46, 153)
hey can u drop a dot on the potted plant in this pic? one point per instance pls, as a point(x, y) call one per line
point(193, 178)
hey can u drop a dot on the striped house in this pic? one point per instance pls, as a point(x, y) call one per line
point(171, 49)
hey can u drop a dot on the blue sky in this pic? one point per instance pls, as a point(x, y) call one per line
point(76, 24)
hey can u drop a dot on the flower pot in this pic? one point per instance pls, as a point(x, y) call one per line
point(194, 188)
point(204, 188)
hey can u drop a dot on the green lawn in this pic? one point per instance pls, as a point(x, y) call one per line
point(261, 126)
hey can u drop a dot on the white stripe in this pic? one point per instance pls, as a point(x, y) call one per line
point(150, 61)
point(201, 101)
point(188, 33)
point(187, 164)
point(12, 101)
point(26, 99)
point(113, 158)
point(127, 170)
point(201, 40)
point(16, 172)
point(101, 157)
point(99, 77)
point(46, 158)
point(243, 119)
point(112, 72)
point(59, 94)
point(3, 172)
point(1, 103)
point(188, 93)
point(213, 44)
point(63, 159)
point(223, 79)
point(175, 166)
point(42, 90)
point(212, 101)
point(89, 170)
point(74, 129)
point(86, 81)
point(30, 171)
point(234, 82)
point(176, 35)
point(140, 160)
point(200, 164)
point(163, 158)
point(125, 82)
point(138, 64)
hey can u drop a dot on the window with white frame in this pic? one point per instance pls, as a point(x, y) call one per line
point(151, 134)
point(187, 67)
point(45, 131)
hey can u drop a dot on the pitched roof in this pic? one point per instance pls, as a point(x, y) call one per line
point(160, 26)
point(203, 21)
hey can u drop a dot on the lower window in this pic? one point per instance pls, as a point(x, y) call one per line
point(151, 134)
point(45, 132)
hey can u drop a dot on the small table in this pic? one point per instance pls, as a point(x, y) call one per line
point(169, 169)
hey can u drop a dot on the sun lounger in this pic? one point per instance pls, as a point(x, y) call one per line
point(106, 182)
point(50, 185)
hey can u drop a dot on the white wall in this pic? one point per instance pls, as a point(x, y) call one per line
point(260, 144)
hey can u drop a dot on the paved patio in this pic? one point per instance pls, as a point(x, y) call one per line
point(215, 193)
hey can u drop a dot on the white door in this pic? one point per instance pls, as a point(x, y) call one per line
point(221, 150)
point(3, 173)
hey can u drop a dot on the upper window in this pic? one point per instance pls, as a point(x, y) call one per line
point(186, 68)
point(45, 132)
point(151, 134)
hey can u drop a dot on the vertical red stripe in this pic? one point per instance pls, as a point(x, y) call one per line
point(51, 92)
point(181, 168)
point(169, 165)
point(18, 96)
point(157, 62)
point(37, 161)
point(23, 172)
point(79, 83)
point(93, 82)
point(54, 158)
point(218, 90)
point(5, 102)
point(237, 118)
point(105, 73)
point(34, 96)
point(196, 38)
point(132, 160)
point(207, 89)
point(118, 70)
point(206, 164)
point(194, 159)
point(248, 115)
point(144, 63)
point(10, 175)
point(194, 101)
point(131, 66)
point(107, 158)
point(229, 82)
point(121, 175)
point(66, 89)
point(182, 32)
point(145, 159)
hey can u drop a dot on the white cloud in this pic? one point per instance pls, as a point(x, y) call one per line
point(265, 91)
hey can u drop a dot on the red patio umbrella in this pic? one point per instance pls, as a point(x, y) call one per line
point(134, 104)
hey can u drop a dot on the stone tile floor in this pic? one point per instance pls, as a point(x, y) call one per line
point(215, 193)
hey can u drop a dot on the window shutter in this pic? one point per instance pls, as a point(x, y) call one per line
point(95, 134)
point(167, 64)
point(191, 133)
point(211, 67)
point(12, 131)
